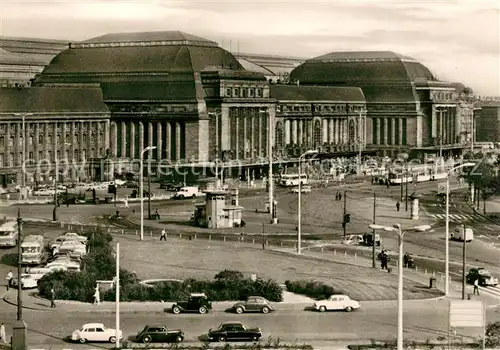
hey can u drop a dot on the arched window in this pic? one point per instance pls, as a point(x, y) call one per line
point(317, 134)
point(352, 131)
point(279, 136)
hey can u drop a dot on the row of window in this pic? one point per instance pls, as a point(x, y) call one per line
point(319, 108)
point(77, 156)
point(58, 126)
point(440, 96)
point(41, 139)
point(244, 92)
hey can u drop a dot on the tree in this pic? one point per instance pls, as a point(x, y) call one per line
point(483, 177)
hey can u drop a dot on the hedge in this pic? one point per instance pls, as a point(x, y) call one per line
point(99, 264)
point(313, 289)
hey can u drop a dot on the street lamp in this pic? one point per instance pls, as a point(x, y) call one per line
point(216, 114)
point(270, 158)
point(141, 185)
point(447, 230)
point(299, 206)
point(397, 228)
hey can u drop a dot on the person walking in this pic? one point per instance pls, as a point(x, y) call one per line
point(97, 296)
point(163, 236)
point(52, 297)
point(3, 336)
point(9, 278)
point(476, 287)
point(398, 205)
point(157, 214)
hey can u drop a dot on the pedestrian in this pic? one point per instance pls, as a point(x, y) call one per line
point(163, 236)
point(476, 287)
point(398, 205)
point(97, 296)
point(157, 214)
point(52, 297)
point(340, 196)
point(9, 278)
point(3, 336)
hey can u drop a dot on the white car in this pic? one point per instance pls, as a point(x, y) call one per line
point(44, 192)
point(303, 189)
point(353, 240)
point(95, 332)
point(337, 302)
point(68, 237)
point(27, 281)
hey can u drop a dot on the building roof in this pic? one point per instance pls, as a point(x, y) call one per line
point(19, 59)
point(360, 67)
point(223, 73)
point(149, 37)
point(316, 93)
point(39, 100)
point(35, 46)
point(151, 90)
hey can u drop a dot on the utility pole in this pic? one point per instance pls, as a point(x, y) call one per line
point(374, 263)
point(441, 137)
point(402, 179)
point(149, 188)
point(20, 329)
point(464, 257)
point(406, 190)
point(344, 224)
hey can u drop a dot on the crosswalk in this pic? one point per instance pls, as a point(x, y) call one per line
point(459, 218)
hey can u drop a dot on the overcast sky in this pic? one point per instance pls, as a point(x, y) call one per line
point(457, 40)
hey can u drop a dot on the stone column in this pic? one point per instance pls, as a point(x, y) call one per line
point(150, 139)
point(178, 141)
point(244, 146)
point(252, 143)
point(123, 139)
point(114, 139)
point(237, 140)
point(159, 140)
point(324, 124)
point(386, 129)
point(225, 129)
point(107, 128)
point(393, 131)
point(36, 145)
point(301, 132)
point(17, 145)
point(261, 130)
point(132, 140)
point(286, 126)
point(330, 131)
point(73, 143)
point(168, 148)
point(400, 131)
point(141, 145)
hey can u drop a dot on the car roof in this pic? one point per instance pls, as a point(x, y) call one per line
point(339, 295)
point(257, 297)
point(155, 326)
point(232, 323)
point(93, 325)
point(198, 295)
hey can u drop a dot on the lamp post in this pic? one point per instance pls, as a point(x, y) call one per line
point(141, 185)
point(23, 179)
point(117, 297)
point(216, 114)
point(270, 144)
point(397, 228)
point(299, 197)
point(447, 229)
point(19, 330)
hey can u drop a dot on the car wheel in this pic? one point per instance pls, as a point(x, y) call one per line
point(255, 338)
point(348, 309)
point(112, 339)
point(322, 308)
point(179, 339)
point(202, 310)
point(176, 310)
point(222, 339)
point(265, 310)
point(83, 340)
point(146, 339)
point(239, 310)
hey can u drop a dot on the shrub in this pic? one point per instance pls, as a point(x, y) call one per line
point(313, 289)
point(493, 335)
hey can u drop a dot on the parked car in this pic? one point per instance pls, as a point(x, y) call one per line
point(353, 240)
point(95, 332)
point(44, 192)
point(188, 192)
point(27, 281)
point(68, 236)
point(159, 334)
point(303, 189)
point(234, 331)
point(197, 302)
point(253, 304)
point(483, 276)
point(336, 302)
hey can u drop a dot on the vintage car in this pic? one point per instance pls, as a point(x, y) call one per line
point(303, 189)
point(234, 331)
point(27, 281)
point(197, 302)
point(95, 332)
point(253, 304)
point(336, 302)
point(483, 276)
point(159, 334)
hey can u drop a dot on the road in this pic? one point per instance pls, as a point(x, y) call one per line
point(377, 320)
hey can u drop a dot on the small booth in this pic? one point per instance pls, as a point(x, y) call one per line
point(414, 197)
point(220, 210)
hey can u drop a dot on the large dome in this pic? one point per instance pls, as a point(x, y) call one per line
point(162, 52)
point(348, 68)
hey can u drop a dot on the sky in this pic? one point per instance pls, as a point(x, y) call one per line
point(457, 40)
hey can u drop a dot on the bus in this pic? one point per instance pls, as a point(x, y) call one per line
point(291, 180)
point(32, 249)
point(8, 234)
point(423, 173)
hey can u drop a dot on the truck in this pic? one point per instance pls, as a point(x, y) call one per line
point(32, 249)
point(460, 233)
point(188, 192)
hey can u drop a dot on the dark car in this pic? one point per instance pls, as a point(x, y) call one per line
point(171, 186)
point(483, 276)
point(253, 304)
point(197, 302)
point(160, 334)
point(234, 331)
